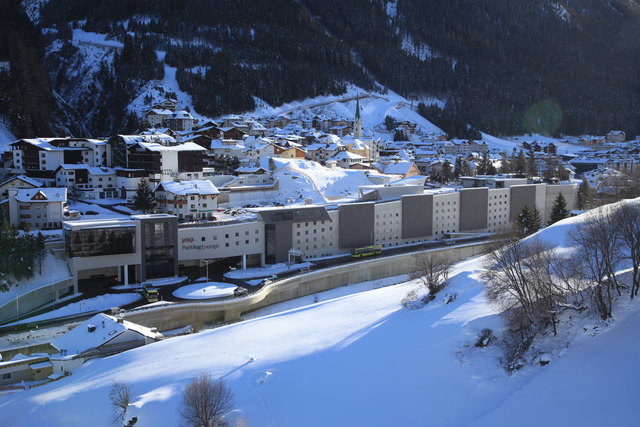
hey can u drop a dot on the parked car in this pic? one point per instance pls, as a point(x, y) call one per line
point(240, 291)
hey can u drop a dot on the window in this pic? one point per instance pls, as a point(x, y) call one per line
point(6, 376)
point(202, 238)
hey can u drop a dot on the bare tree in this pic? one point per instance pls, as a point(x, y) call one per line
point(433, 271)
point(120, 396)
point(597, 240)
point(205, 402)
point(627, 220)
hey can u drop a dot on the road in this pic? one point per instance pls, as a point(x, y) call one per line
point(215, 274)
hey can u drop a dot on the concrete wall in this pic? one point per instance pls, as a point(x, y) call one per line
point(473, 212)
point(570, 193)
point(521, 195)
point(417, 216)
point(284, 240)
point(356, 222)
point(198, 314)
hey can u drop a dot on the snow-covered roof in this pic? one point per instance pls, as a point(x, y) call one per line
point(249, 169)
point(158, 137)
point(342, 155)
point(400, 167)
point(51, 194)
point(187, 146)
point(43, 143)
point(97, 331)
point(182, 188)
point(182, 114)
point(24, 178)
point(159, 112)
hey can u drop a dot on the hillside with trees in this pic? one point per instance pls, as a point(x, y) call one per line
point(500, 66)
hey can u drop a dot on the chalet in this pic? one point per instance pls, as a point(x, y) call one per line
point(157, 118)
point(188, 200)
point(227, 147)
point(616, 136)
point(403, 168)
point(25, 368)
point(293, 153)
point(341, 130)
point(37, 208)
point(545, 147)
point(463, 148)
point(17, 182)
point(256, 128)
point(181, 121)
point(167, 104)
point(250, 170)
point(101, 335)
point(201, 140)
point(232, 133)
point(320, 152)
point(211, 131)
point(345, 159)
point(407, 126)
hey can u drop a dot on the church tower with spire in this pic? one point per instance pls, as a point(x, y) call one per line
point(357, 123)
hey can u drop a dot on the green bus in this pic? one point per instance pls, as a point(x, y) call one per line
point(150, 294)
point(366, 251)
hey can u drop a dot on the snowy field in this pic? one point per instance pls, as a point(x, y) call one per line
point(205, 290)
point(305, 179)
point(355, 356)
point(89, 305)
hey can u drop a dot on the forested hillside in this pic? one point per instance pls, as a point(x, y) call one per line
point(499, 65)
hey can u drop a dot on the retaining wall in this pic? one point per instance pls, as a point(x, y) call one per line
point(205, 313)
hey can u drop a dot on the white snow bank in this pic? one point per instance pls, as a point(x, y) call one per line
point(206, 290)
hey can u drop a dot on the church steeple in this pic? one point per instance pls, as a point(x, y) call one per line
point(357, 122)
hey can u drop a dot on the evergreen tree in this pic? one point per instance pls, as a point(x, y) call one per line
point(559, 210)
point(40, 250)
point(535, 222)
point(445, 173)
point(457, 167)
point(144, 200)
point(491, 169)
point(465, 168)
point(505, 164)
point(532, 169)
point(520, 164)
point(528, 221)
point(584, 195)
point(400, 135)
point(389, 123)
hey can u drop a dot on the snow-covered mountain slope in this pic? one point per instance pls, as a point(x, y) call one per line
point(354, 356)
point(6, 137)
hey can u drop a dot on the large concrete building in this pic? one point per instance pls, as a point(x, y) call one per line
point(150, 246)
